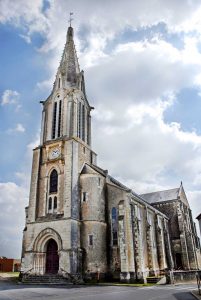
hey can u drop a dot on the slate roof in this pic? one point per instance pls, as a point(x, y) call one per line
point(198, 217)
point(161, 196)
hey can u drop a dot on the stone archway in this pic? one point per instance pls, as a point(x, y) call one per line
point(47, 247)
point(52, 257)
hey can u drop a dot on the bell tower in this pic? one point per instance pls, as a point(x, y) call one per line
point(66, 113)
point(53, 214)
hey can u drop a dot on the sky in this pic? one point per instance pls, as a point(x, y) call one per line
point(142, 64)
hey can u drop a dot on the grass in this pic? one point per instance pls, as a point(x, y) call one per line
point(121, 284)
point(9, 274)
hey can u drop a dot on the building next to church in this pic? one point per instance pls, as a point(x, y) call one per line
point(9, 264)
point(80, 220)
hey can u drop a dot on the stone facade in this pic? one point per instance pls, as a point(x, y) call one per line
point(185, 243)
point(80, 221)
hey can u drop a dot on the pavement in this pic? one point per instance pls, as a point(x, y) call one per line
point(196, 294)
point(13, 291)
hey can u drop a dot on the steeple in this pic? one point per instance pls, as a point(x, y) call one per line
point(66, 111)
point(68, 72)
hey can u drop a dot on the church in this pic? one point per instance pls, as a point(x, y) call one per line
point(80, 220)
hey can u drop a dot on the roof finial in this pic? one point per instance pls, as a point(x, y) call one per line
point(70, 19)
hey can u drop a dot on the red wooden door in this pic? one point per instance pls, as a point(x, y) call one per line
point(52, 258)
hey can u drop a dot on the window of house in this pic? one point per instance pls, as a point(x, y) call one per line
point(99, 181)
point(53, 182)
point(91, 240)
point(59, 83)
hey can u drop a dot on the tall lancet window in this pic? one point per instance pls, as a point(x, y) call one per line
point(54, 121)
point(59, 120)
point(114, 227)
point(83, 123)
point(88, 129)
point(79, 120)
point(53, 182)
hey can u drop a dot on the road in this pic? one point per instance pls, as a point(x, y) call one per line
point(10, 291)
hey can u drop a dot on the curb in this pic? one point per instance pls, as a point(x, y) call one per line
point(196, 296)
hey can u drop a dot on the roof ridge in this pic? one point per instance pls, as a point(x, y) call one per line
point(162, 191)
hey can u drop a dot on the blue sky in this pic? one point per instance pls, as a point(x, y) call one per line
point(142, 63)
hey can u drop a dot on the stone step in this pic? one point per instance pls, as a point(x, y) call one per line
point(154, 279)
point(45, 279)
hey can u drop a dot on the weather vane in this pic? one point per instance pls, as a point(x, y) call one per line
point(70, 19)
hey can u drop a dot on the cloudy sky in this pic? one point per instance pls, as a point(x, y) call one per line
point(142, 63)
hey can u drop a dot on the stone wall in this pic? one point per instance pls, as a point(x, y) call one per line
point(182, 233)
point(93, 226)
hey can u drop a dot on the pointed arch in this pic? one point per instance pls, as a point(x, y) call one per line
point(43, 237)
point(51, 168)
point(53, 186)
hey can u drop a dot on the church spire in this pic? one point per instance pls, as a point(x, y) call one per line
point(67, 111)
point(68, 71)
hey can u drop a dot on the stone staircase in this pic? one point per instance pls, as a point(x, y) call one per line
point(45, 279)
point(156, 280)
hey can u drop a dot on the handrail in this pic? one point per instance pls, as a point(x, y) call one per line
point(72, 277)
point(24, 273)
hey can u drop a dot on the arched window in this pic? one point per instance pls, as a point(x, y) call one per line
point(114, 227)
point(54, 121)
point(50, 204)
point(79, 120)
point(55, 202)
point(53, 182)
point(83, 123)
point(59, 120)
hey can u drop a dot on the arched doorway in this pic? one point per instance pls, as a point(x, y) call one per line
point(178, 260)
point(52, 257)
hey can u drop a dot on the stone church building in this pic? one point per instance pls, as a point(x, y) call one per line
point(80, 220)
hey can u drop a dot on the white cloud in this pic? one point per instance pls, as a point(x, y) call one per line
point(13, 199)
point(27, 15)
point(10, 97)
point(26, 38)
point(18, 128)
point(33, 144)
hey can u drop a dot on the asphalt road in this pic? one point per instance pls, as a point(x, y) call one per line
point(22, 292)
